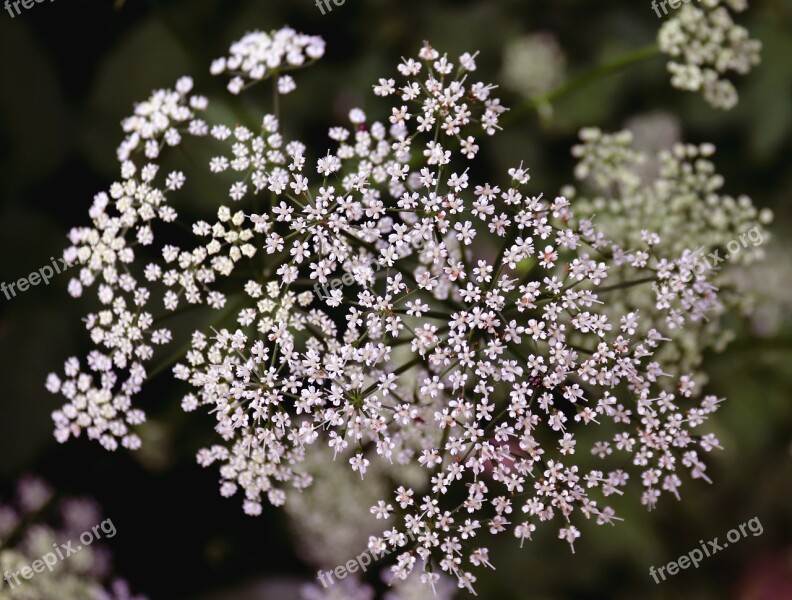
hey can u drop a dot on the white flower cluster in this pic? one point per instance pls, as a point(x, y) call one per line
point(315, 234)
point(99, 398)
point(31, 526)
point(677, 208)
point(704, 45)
point(260, 55)
point(483, 331)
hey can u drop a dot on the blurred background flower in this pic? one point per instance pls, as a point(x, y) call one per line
point(533, 64)
point(38, 527)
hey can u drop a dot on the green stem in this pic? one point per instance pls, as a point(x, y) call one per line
point(545, 101)
point(624, 284)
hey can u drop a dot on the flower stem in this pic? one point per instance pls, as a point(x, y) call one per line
point(543, 104)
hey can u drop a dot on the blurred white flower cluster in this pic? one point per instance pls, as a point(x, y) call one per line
point(35, 523)
point(679, 207)
point(533, 64)
point(771, 309)
point(487, 335)
point(705, 44)
point(332, 519)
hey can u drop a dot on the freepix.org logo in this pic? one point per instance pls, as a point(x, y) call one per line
point(324, 5)
point(42, 275)
point(695, 556)
point(664, 4)
point(12, 6)
point(705, 264)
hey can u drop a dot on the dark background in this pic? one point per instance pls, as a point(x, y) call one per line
point(70, 71)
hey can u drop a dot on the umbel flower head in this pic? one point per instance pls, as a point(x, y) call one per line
point(705, 44)
point(391, 303)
